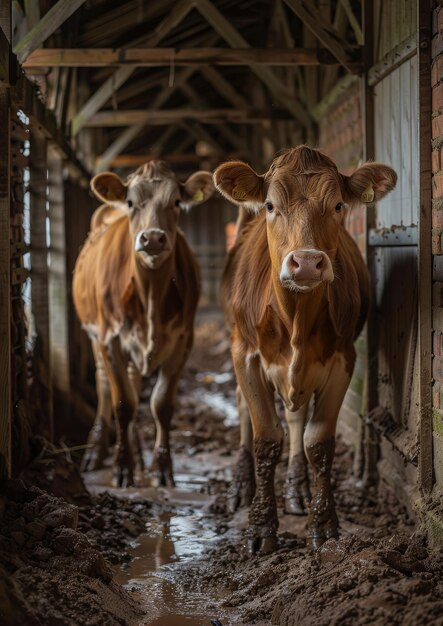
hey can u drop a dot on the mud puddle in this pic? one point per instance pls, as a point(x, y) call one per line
point(152, 576)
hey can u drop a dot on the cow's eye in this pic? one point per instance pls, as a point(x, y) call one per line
point(339, 207)
point(269, 207)
point(178, 203)
point(130, 203)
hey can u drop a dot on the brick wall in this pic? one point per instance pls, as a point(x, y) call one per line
point(437, 235)
point(341, 137)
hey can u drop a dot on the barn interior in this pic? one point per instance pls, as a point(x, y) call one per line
point(88, 86)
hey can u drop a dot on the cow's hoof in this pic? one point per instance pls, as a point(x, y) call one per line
point(93, 458)
point(161, 469)
point(123, 477)
point(242, 489)
point(262, 545)
point(317, 537)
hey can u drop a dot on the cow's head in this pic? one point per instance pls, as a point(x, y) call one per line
point(305, 199)
point(152, 198)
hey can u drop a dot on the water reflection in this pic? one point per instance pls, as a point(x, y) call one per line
point(153, 578)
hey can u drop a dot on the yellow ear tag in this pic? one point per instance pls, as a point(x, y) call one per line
point(238, 194)
point(198, 196)
point(368, 195)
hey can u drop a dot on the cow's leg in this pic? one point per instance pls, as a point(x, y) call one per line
point(162, 407)
point(134, 433)
point(242, 489)
point(297, 482)
point(98, 439)
point(268, 439)
point(319, 441)
point(124, 406)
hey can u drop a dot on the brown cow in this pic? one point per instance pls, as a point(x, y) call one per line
point(136, 288)
point(296, 293)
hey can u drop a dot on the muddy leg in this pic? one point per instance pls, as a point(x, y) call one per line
point(242, 488)
point(162, 408)
point(98, 439)
point(319, 441)
point(124, 410)
point(297, 482)
point(268, 439)
point(134, 434)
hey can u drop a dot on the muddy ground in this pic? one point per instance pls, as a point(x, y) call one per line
point(180, 555)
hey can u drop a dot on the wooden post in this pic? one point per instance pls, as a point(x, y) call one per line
point(424, 246)
point(40, 281)
point(5, 263)
point(58, 301)
point(370, 443)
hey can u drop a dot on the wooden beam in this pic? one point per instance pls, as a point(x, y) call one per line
point(153, 57)
point(133, 131)
point(5, 256)
point(168, 116)
point(278, 89)
point(49, 23)
point(223, 87)
point(325, 33)
point(38, 183)
point(102, 95)
point(353, 21)
point(32, 13)
point(134, 160)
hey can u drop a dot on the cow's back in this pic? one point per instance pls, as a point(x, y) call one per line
point(103, 276)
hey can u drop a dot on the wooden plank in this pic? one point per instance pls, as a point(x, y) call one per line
point(324, 33)
point(49, 23)
point(5, 284)
point(102, 95)
point(424, 247)
point(393, 59)
point(278, 89)
point(353, 21)
point(133, 131)
point(153, 57)
point(38, 183)
point(168, 116)
point(58, 287)
point(32, 13)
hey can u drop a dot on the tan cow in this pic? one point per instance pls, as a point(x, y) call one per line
point(296, 293)
point(136, 288)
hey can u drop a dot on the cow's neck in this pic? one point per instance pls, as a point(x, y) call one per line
point(152, 288)
point(301, 314)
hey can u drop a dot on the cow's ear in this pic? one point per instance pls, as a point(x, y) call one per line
point(198, 188)
point(238, 182)
point(370, 183)
point(109, 189)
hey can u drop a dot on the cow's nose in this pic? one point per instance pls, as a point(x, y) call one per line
point(152, 241)
point(306, 265)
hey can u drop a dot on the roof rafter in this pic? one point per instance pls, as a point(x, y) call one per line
point(49, 23)
point(236, 40)
point(103, 94)
point(324, 32)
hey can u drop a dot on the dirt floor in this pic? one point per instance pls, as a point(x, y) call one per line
point(175, 557)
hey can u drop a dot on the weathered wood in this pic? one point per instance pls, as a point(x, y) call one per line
point(38, 183)
point(49, 23)
point(353, 21)
point(58, 304)
point(393, 59)
point(102, 95)
point(278, 89)
point(134, 160)
point(133, 131)
point(168, 116)
point(5, 284)
point(425, 248)
point(153, 57)
point(324, 33)
point(32, 13)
